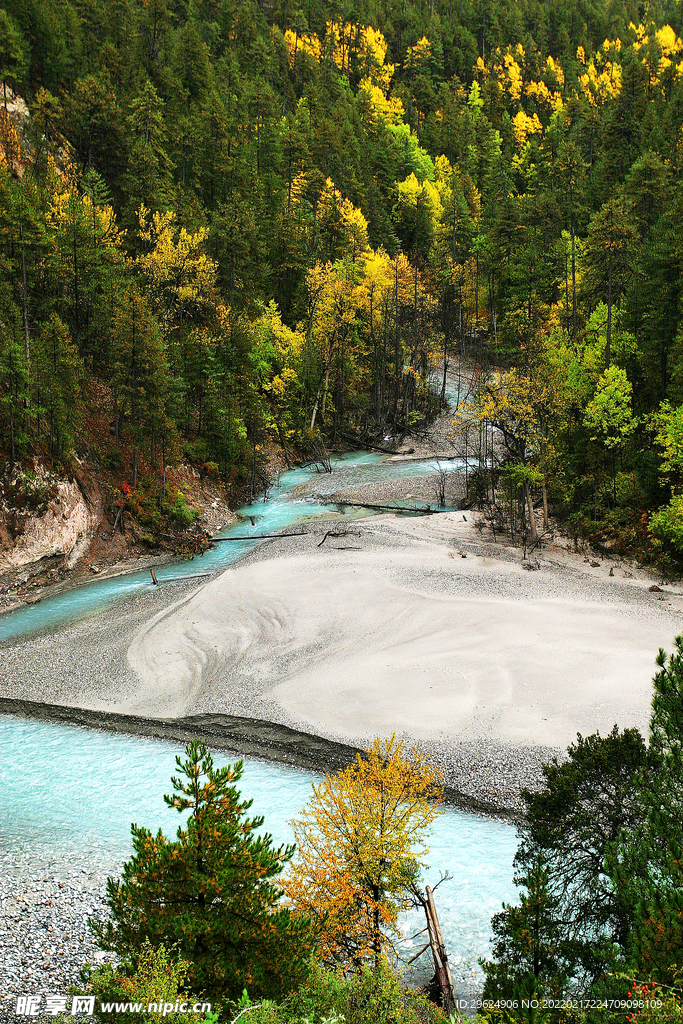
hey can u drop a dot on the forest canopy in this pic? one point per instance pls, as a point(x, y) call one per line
point(272, 219)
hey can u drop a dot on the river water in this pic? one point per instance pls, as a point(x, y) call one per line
point(67, 789)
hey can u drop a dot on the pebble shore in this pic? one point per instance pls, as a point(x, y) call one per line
point(45, 905)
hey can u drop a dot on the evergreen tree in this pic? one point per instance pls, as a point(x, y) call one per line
point(14, 386)
point(12, 53)
point(140, 367)
point(527, 949)
point(59, 375)
point(212, 893)
point(647, 868)
point(574, 824)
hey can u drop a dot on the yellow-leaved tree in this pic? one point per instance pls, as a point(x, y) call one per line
point(360, 846)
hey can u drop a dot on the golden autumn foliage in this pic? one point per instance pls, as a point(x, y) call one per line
point(302, 42)
point(360, 845)
point(180, 275)
point(9, 140)
point(524, 126)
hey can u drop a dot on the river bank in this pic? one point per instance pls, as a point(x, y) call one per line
point(45, 940)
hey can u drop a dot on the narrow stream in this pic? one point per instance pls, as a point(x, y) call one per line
point(100, 782)
point(278, 512)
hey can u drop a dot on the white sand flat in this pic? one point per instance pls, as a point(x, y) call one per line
point(399, 635)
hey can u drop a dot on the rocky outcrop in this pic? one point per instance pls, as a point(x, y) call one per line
point(43, 516)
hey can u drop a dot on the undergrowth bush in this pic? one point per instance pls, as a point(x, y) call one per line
point(156, 977)
point(148, 509)
point(330, 998)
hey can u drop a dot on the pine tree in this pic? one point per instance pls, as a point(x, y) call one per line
point(59, 373)
point(140, 366)
point(647, 868)
point(528, 939)
point(12, 53)
point(575, 823)
point(212, 893)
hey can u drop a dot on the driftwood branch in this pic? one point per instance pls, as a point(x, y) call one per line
point(444, 978)
point(363, 445)
point(413, 958)
point(339, 533)
point(181, 579)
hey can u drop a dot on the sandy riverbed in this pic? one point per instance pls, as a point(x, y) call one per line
point(392, 629)
point(385, 629)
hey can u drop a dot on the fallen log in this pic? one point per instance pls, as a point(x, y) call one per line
point(426, 511)
point(181, 579)
point(443, 976)
point(441, 944)
point(365, 445)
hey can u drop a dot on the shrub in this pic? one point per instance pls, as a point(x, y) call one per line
point(330, 998)
point(113, 460)
point(180, 512)
point(157, 979)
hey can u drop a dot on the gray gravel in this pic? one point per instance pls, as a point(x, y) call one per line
point(45, 940)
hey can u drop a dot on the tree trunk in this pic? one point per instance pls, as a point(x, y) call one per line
point(116, 415)
point(322, 390)
point(608, 344)
point(441, 968)
point(324, 405)
point(546, 520)
point(530, 509)
point(573, 280)
point(24, 303)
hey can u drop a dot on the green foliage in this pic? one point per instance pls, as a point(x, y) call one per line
point(212, 893)
point(330, 998)
point(669, 437)
point(148, 508)
point(12, 52)
point(59, 375)
point(527, 948)
point(608, 414)
point(646, 868)
point(155, 978)
point(666, 526)
point(179, 512)
point(571, 912)
point(113, 459)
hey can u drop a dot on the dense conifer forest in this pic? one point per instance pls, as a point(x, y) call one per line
point(224, 222)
